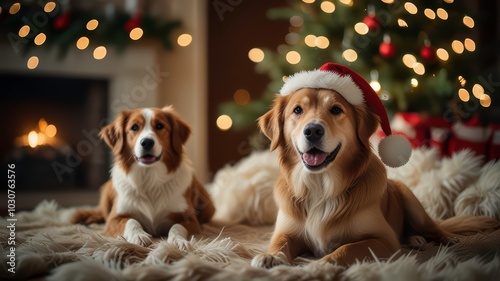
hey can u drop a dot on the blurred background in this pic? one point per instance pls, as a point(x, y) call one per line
point(67, 68)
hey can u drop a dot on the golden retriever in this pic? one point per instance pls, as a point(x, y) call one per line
point(334, 198)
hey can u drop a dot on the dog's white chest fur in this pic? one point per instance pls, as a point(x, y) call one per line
point(319, 205)
point(150, 194)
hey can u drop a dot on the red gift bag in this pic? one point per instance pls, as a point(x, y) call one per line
point(440, 133)
point(471, 134)
point(413, 126)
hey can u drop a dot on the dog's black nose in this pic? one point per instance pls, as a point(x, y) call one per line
point(147, 143)
point(314, 132)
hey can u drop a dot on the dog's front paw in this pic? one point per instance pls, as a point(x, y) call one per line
point(268, 260)
point(134, 233)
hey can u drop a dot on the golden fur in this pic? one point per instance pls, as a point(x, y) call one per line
point(344, 210)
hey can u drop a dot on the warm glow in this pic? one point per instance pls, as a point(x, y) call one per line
point(409, 60)
point(241, 96)
point(419, 68)
point(224, 122)
point(462, 80)
point(388, 1)
point(346, 2)
point(485, 101)
point(296, 21)
point(442, 13)
point(92, 24)
point(33, 139)
point(308, 1)
point(327, 7)
point(32, 62)
point(478, 91)
point(184, 40)
point(402, 23)
point(375, 86)
point(322, 42)
point(310, 40)
point(442, 54)
point(449, 1)
point(411, 8)
point(256, 55)
point(361, 28)
point(82, 43)
point(49, 7)
point(429, 13)
point(40, 39)
point(51, 131)
point(464, 95)
point(470, 45)
point(100, 52)
point(414, 82)
point(42, 125)
point(468, 21)
point(293, 57)
point(350, 55)
point(24, 31)
point(136, 34)
point(14, 8)
point(457, 46)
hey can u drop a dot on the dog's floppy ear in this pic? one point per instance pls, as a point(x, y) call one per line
point(114, 133)
point(180, 130)
point(271, 123)
point(367, 123)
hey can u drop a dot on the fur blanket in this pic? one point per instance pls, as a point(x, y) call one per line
point(49, 248)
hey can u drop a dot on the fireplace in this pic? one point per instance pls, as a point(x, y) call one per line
point(50, 131)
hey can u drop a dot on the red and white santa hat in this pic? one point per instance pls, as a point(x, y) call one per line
point(394, 150)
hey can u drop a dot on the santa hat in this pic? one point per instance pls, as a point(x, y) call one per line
point(394, 150)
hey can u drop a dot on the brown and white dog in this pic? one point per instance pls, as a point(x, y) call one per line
point(153, 185)
point(334, 198)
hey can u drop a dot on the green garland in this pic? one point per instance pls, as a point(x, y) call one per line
point(64, 26)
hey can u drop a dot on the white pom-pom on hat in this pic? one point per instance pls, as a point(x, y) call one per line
point(394, 150)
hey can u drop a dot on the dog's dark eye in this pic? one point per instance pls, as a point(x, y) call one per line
point(135, 128)
point(335, 110)
point(159, 126)
point(298, 110)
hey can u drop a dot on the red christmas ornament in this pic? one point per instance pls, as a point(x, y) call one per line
point(428, 53)
point(387, 49)
point(372, 22)
point(133, 22)
point(62, 22)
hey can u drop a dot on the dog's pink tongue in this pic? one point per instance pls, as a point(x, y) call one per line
point(314, 159)
point(148, 159)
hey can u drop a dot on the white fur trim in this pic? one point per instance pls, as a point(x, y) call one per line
point(319, 79)
point(482, 198)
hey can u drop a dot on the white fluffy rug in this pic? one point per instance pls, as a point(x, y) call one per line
point(49, 248)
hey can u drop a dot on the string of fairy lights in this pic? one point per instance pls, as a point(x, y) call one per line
point(82, 43)
point(443, 53)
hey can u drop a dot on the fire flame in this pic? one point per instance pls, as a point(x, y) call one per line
point(44, 135)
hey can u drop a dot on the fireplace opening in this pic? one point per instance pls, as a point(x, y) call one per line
point(50, 131)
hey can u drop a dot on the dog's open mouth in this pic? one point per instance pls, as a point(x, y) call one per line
point(316, 159)
point(147, 159)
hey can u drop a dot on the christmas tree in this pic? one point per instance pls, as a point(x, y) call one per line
point(419, 56)
point(68, 24)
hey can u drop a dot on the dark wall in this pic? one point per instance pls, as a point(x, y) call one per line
point(232, 32)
